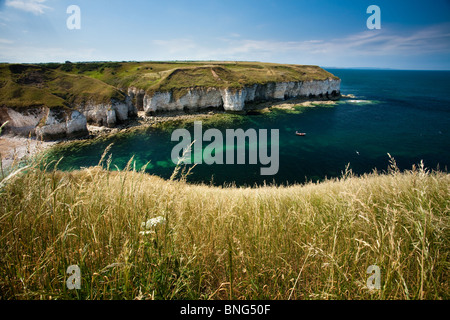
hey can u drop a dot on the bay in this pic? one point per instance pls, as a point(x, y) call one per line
point(403, 113)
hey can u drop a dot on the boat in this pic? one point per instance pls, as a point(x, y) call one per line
point(300, 134)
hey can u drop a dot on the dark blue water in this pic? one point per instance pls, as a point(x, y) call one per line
point(404, 113)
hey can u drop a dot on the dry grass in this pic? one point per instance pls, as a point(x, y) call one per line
point(302, 242)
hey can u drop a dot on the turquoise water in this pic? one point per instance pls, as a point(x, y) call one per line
point(404, 113)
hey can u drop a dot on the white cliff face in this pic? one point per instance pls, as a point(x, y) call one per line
point(76, 124)
point(317, 88)
point(108, 114)
point(23, 122)
point(200, 98)
point(121, 110)
point(111, 118)
point(159, 101)
point(62, 124)
point(132, 110)
point(46, 124)
point(195, 98)
point(55, 125)
point(96, 113)
point(51, 124)
point(232, 99)
point(58, 123)
point(137, 95)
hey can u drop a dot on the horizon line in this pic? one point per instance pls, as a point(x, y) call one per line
point(225, 61)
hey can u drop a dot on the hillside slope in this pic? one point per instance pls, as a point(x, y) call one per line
point(23, 86)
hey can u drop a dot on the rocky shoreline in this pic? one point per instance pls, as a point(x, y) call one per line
point(143, 120)
point(14, 149)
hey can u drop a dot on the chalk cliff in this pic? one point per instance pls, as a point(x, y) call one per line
point(55, 101)
point(232, 99)
point(109, 114)
point(60, 123)
point(57, 124)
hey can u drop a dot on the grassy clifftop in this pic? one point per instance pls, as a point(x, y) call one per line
point(164, 76)
point(56, 85)
point(35, 85)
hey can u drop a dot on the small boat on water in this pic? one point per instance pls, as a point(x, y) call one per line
point(300, 134)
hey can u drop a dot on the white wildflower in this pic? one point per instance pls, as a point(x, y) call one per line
point(153, 222)
point(146, 232)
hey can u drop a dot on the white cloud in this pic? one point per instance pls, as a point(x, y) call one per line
point(5, 41)
point(429, 40)
point(174, 46)
point(34, 6)
point(13, 53)
point(370, 43)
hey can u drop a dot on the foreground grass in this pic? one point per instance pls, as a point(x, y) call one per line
point(301, 242)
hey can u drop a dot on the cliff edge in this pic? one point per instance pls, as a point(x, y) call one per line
point(55, 101)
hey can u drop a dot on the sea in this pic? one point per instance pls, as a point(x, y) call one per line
point(384, 113)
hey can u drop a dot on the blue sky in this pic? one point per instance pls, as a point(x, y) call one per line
point(413, 34)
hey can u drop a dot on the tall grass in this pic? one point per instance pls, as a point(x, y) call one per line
point(301, 242)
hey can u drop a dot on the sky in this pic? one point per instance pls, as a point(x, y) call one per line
point(413, 34)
